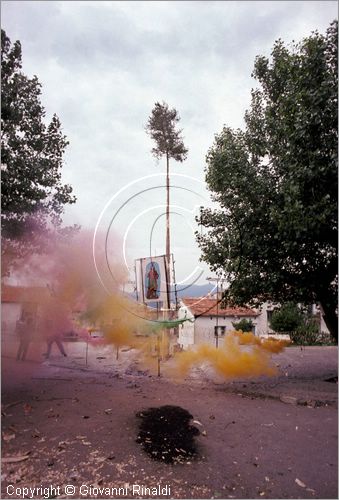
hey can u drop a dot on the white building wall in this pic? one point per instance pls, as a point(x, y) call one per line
point(10, 313)
point(204, 327)
point(262, 324)
point(202, 330)
point(323, 327)
point(186, 330)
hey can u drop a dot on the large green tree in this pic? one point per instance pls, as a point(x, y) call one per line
point(33, 195)
point(161, 127)
point(275, 234)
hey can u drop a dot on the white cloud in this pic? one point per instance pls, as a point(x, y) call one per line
point(102, 66)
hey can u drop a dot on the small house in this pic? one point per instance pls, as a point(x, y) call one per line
point(17, 300)
point(209, 322)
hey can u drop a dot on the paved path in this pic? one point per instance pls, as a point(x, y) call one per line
point(269, 438)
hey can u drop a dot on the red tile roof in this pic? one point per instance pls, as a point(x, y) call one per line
point(208, 307)
point(20, 294)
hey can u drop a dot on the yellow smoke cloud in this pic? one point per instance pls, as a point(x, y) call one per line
point(241, 355)
point(154, 349)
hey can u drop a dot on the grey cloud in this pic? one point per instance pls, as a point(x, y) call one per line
point(88, 35)
point(104, 64)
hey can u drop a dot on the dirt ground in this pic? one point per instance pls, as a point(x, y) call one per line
point(74, 425)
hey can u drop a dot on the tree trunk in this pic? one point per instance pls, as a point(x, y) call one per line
point(168, 244)
point(330, 318)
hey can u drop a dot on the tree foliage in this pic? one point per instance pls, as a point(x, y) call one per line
point(245, 325)
point(33, 195)
point(161, 127)
point(287, 318)
point(302, 327)
point(275, 234)
point(308, 334)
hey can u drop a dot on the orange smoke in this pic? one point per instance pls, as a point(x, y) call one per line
point(241, 355)
point(114, 316)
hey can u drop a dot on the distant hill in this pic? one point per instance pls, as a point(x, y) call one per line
point(194, 290)
point(187, 291)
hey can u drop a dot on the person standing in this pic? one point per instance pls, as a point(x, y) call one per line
point(55, 322)
point(24, 330)
point(50, 340)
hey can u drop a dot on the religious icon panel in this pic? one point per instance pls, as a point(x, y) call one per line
point(152, 280)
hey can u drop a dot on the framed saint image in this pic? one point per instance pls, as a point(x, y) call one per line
point(152, 278)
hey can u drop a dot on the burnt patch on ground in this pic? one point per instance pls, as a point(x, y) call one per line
point(166, 434)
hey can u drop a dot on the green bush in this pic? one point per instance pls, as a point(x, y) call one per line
point(245, 325)
point(306, 334)
point(302, 328)
point(289, 318)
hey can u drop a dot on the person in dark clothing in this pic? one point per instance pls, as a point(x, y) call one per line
point(57, 340)
point(24, 329)
point(51, 338)
point(54, 322)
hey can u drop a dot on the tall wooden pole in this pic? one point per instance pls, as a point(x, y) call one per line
point(168, 241)
point(158, 353)
point(217, 320)
point(168, 244)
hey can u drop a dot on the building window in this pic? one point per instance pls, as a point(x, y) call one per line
point(219, 331)
point(309, 309)
point(269, 316)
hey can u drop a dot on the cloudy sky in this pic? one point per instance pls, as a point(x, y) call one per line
point(104, 64)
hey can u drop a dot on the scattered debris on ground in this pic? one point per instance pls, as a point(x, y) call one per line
point(166, 433)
